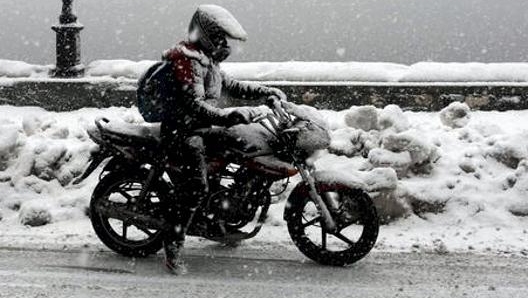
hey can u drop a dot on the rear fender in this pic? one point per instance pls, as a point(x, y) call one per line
point(119, 164)
point(96, 159)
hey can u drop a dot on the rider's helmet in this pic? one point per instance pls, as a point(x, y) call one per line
point(211, 26)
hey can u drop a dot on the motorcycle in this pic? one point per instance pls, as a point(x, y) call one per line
point(330, 222)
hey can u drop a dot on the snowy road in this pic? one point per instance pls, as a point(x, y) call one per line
point(238, 273)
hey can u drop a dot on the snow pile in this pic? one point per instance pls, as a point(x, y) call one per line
point(412, 144)
point(34, 214)
point(371, 139)
point(455, 115)
point(392, 117)
point(364, 118)
point(510, 149)
point(464, 187)
point(307, 71)
point(451, 171)
point(40, 154)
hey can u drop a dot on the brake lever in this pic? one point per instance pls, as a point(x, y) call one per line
point(98, 123)
point(293, 129)
point(259, 118)
point(268, 127)
point(272, 120)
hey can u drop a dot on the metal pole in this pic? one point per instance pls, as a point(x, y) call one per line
point(68, 43)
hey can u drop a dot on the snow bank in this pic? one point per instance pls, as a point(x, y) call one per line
point(308, 71)
point(463, 173)
point(40, 154)
point(466, 187)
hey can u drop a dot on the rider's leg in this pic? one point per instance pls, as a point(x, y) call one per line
point(196, 189)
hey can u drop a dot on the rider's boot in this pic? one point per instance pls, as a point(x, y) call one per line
point(182, 218)
point(173, 257)
point(194, 192)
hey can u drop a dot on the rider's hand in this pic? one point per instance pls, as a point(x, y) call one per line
point(270, 101)
point(237, 117)
point(278, 93)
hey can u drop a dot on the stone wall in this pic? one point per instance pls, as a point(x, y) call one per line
point(71, 94)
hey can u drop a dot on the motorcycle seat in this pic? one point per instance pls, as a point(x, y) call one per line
point(144, 133)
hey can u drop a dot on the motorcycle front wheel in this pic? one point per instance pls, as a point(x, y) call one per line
point(120, 191)
point(355, 216)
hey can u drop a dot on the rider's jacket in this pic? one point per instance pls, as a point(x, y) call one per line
point(198, 80)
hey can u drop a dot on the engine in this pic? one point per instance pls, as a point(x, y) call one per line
point(237, 203)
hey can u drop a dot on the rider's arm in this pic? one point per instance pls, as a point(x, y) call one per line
point(188, 73)
point(247, 90)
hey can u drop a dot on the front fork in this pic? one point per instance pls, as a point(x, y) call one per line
point(328, 221)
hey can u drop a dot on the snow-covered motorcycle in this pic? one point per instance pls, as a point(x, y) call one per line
point(329, 221)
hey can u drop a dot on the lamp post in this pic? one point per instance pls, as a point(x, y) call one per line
point(68, 43)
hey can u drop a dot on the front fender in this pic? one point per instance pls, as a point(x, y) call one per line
point(301, 193)
point(298, 193)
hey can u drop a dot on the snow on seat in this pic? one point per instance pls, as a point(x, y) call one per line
point(134, 130)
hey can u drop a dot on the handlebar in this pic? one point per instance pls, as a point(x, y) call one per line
point(275, 105)
point(280, 120)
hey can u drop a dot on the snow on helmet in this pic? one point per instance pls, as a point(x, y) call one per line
point(210, 26)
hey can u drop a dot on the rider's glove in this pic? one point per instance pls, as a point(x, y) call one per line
point(270, 101)
point(237, 117)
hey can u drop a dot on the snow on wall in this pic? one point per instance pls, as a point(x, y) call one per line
point(20, 69)
point(307, 71)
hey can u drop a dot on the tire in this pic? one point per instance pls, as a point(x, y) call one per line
point(103, 226)
point(355, 209)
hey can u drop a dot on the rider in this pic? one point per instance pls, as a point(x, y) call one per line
point(198, 78)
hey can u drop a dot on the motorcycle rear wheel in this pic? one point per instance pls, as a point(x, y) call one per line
point(126, 239)
point(355, 216)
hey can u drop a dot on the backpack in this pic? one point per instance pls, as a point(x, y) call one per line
point(153, 89)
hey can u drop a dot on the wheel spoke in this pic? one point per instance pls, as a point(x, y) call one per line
point(145, 230)
point(344, 239)
point(126, 195)
point(129, 187)
point(125, 228)
point(311, 222)
point(323, 238)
